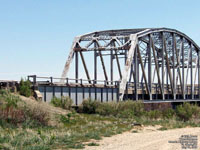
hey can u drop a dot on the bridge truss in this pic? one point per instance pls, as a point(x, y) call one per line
point(152, 63)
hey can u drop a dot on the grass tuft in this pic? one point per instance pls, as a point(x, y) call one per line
point(93, 144)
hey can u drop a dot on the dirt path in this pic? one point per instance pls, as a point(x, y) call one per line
point(147, 139)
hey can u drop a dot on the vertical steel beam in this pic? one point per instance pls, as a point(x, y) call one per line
point(76, 66)
point(191, 72)
point(173, 59)
point(198, 74)
point(195, 74)
point(132, 73)
point(149, 68)
point(163, 73)
point(188, 64)
point(95, 62)
point(183, 66)
point(76, 77)
point(125, 53)
point(111, 64)
point(136, 74)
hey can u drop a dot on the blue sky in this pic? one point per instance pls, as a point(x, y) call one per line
point(36, 35)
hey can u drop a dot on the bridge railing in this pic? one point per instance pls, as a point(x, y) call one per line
point(69, 81)
point(141, 87)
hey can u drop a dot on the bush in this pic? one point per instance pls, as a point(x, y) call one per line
point(154, 114)
point(63, 102)
point(110, 108)
point(25, 88)
point(12, 112)
point(37, 114)
point(187, 111)
point(137, 108)
point(9, 110)
point(119, 109)
point(168, 113)
point(89, 106)
point(133, 109)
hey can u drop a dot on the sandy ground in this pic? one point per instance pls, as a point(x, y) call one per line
point(148, 138)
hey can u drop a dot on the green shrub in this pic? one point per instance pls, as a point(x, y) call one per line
point(89, 106)
point(106, 109)
point(37, 114)
point(137, 108)
point(25, 87)
point(12, 112)
point(9, 110)
point(63, 102)
point(168, 113)
point(154, 114)
point(187, 111)
point(123, 109)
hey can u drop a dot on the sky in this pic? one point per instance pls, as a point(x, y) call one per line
point(36, 35)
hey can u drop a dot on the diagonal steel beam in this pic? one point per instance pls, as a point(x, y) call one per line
point(178, 67)
point(118, 65)
point(126, 73)
point(150, 66)
point(102, 61)
point(117, 59)
point(143, 70)
point(85, 67)
point(69, 60)
point(103, 66)
point(156, 63)
point(168, 67)
point(189, 53)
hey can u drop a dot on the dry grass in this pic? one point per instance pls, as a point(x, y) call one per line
point(68, 129)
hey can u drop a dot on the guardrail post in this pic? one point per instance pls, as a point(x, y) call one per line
point(34, 79)
point(81, 81)
point(67, 81)
point(51, 79)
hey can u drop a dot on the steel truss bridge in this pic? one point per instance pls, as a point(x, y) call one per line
point(161, 57)
point(150, 63)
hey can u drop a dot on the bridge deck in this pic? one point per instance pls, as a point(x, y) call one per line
point(105, 92)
